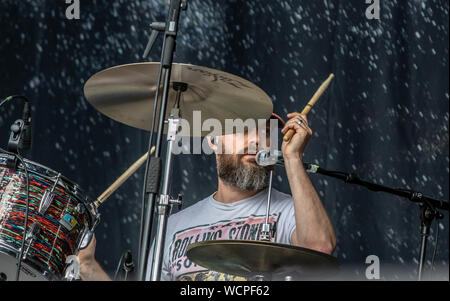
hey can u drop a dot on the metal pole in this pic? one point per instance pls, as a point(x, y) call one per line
point(265, 235)
point(164, 200)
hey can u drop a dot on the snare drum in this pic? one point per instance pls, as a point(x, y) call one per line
point(59, 216)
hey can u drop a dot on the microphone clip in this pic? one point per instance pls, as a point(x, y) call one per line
point(16, 136)
point(15, 142)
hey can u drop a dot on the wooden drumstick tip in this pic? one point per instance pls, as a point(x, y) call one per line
point(311, 103)
point(132, 169)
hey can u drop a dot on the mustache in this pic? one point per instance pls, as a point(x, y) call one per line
point(254, 151)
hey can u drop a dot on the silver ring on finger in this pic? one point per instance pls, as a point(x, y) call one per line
point(301, 123)
point(302, 120)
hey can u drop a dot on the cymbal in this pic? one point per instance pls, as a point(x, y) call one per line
point(126, 94)
point(248, 258)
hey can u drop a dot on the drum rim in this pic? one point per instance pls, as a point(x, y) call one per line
point(74, 188)
point(36, 265)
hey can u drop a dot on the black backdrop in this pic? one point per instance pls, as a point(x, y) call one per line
point(385, 116)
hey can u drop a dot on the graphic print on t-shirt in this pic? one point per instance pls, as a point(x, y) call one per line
point(246, 228)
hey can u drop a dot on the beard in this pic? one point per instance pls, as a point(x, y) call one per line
point(236, 173)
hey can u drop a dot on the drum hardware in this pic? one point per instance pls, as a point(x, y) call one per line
point(48, 197)
point(151, 182)
point(178, 201)
point(31, 236)
point(165, 201)
point(156, 27)
point(86, 240)
point(266, 233)
point(80, 208)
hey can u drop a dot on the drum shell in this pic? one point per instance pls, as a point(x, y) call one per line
point(62, 225)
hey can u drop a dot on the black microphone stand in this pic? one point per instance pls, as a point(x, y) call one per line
point(428, 206)
point(20, 139)
point(153, 171)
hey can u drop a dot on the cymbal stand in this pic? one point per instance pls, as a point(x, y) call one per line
point(153, 169)
point(165, 200)
point(266, 231)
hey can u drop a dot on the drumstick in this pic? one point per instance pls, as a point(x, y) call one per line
point(131, 170)
point(311, 103)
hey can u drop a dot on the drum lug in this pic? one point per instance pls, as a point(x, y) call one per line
point(46, 201)
point(31, 236)
point(48, 197)
point(81, 209)
point(96, 221)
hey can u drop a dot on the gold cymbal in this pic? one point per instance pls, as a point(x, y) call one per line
point(248, 258)
point(126, 94)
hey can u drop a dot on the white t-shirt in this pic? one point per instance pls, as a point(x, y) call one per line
point(213, 220)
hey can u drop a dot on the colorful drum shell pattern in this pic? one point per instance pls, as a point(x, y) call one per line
point(56, 240)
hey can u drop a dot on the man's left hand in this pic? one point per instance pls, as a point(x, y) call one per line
point(294, 148)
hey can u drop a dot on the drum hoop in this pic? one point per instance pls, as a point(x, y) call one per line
point(73, 188)
point(41, 170)
point(36, 265)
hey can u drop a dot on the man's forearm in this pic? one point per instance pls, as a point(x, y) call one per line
point(93, 272)
point(313, 226)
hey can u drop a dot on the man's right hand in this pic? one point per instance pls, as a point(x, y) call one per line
point(90, 269)
point(87, 255)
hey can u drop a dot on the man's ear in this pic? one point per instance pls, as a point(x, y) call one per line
point(212, 142)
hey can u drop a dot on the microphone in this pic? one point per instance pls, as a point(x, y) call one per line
point(266, 158)
point(26, 117)
point(125, 265)
point(128, 265)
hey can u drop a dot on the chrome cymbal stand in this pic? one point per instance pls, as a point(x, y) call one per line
point(154, 164)
point(165, 200)
point(266, 231)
